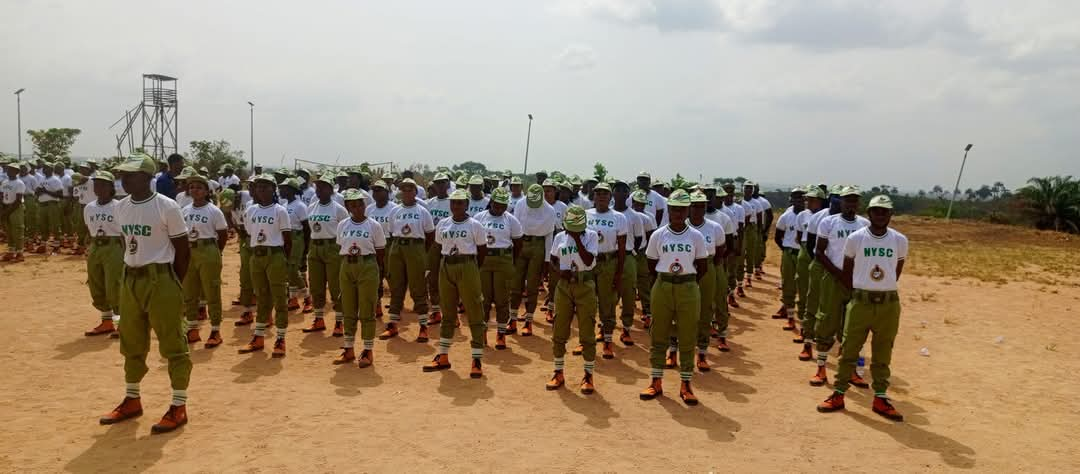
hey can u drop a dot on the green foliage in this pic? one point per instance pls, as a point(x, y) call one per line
point(600, 172)
point(471, 167)
point(214, 155)
point(54, 144)
point(678, 182)
point(1054, 202)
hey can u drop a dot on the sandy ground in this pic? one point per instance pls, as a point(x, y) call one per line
point(976, 403)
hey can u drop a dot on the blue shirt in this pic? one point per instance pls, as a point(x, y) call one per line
point(166, 186)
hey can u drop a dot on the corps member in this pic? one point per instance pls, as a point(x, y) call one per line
point(715, 240)
point(678, 256)
point(464, 248)
point(573, 253)
point(49, 192)
point(516, 193)
point(289, 190)
point(722, 265)
point(765, 220)
point(12, 212)
point(324, 260)
point(155, 260)
point(644, 275)
point(29, 201)
point(635, 237)
point(753, 233)
point(537, 219)
point(873, 261)
point(267, 223)
point(439, 207)
point(240, 202)
point(380, 211)
point(551, 193)
point(503, 245)
point(831, 234)
point(735, 259)
point(361, 244)
point(413, 231)
point(611, 229)
point(207, 233)
point(786, 238)
point(478, 199)
point(809, 270)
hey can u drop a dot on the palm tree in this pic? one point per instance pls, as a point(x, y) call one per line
point(1054, 201)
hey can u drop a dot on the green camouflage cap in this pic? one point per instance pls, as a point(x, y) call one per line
point(640, 196)
point(644, 174)
point(91, 161)
point(459, 195)
point(204, 171)
point(441, 177)
point(550, 182)
point(591, 178)
point(327, 178)
point(379, 184)
point(353, 194)
point(104, 176)
point(728, 185)
point(575, 180)
point(77, 178)
point(534, 197)
point(407, 182)
point(476, 179)
point(814, 192)
point(574, 220)
point(461, 181)
point(749, 184)
point(565, 185)
point(507, 174)
point(721, 193)
point(678, 198)
point(304, 171)
point(138, 163)
point(500, 195)
point(836, 189)
point(881, 201)
point(698, 196)
point(198, 178)
point(226, 198)
point(709, 187)
point(515, 180)
point(387, 177)
point(264, 178)
point(851, 191)
point(186, 173)
point(292, 183)
point(798, 190)
point(602, 187)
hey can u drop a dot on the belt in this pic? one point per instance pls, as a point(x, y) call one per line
point(672, 278)
point(46, 203)
point(500, 252)
point(789, 249)
point(405, 241)
point(530, 238)
point(321, 242)
point(262, 251)
point(359, 258)
point(458, 258)
point(603, 257)
point(146, 270)
point(584, 276)
point(202, 242)
point(107, 240)
point(875, 297)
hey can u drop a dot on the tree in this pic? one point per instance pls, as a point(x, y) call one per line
point(214, 155)
point(471, 167)
point(984, 192)
point(922, 193)
point(1054, 202)
point(600, 171)
point(938, 191)
point(999, 190)
point(54, 144)
point(740, 179)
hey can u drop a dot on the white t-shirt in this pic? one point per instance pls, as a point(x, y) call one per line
point(439, 208)
point(360, 238)
point(815, 222)
point(324, 220)
point(582, 200)
point(308, 195)
point(609, 226)
point(513, 202)
point(476, 206)
point(66, 182)
point(213, 185)
point(835, 228)
point(147, 227)
point(240, 205)
point(802, 222)
point(723, 220)
point(786, 223)
point(226, 181)
point(501, 230)
point(411, 222)
point(675, 252)
point(565, 249)
point(381, 215)
point(84, 192)
point(649, 224)
point(297, 214)
point(183, 200)
point(655, 202)
point(736, 212)
point(31, 182)
point(340, 199)
point(264, 225)
point(536, 222)
point(750, 209)
point(101, 220)
point(875, 258)
point(460, 238)
point(203, 222)
point(763, 204)
point(635, 228)
point(50, 184)
point(713, 234)
point(12, 189)
point(560, 211)
point(120, 192)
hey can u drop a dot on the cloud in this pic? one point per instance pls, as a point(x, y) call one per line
point(664, 15)
point(576, 58)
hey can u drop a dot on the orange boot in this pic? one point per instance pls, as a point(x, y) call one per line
point(807, 352)
point(557, 381)
point(213, 341)
point(317, 324)
point(858, 381)
point(687, 394)
point(819, 378)
point(193, 336)
point(128, 409)
point(366, 359)
point(422, 336)
point(339, 329)
point(835, 402)
point(279, 348)
point(526, 329)
point(731, 300)
point(246, 318)
point(308, 307)
point(723, 345)
point(347, 356)
point(105, 327)
point(391, 331)
point(655, 389)
point(703, 363)
point(626, 339)
point(884, 408)
point(173, 419)
point(500, 341)
point(780, 313)
point(477, 370)
point(440, 362)
point(587, 386)
point(256, 344)
point(294, 303)
point(608, 350)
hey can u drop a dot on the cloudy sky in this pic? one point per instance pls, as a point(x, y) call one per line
point(782, 91)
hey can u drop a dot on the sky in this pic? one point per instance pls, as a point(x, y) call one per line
point(779, 91)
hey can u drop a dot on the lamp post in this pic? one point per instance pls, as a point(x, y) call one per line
point(251, 150)
point(528, 136)
point(18, 118)
point(956, 189)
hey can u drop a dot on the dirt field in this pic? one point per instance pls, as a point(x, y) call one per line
point(997, 393)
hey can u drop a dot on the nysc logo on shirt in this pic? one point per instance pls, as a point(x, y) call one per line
point(99, 217)
point(455, 234)
point(668, 248)
point(262, 219)
point(196, 218)
point(363, 234)
point(602, 223)
point(571, 250)
point(136, 229)
point(494, 225)
point(843, 233)
point(409, 216)
point(877, 252)
point(319, 218)
point(440, 213)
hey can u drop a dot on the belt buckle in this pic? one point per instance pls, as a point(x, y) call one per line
point(877, 298)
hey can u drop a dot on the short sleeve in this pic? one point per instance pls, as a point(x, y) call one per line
point(174, 220)
point(438, 232)
point(720, 238)
point(426, 221)
point(377, 236)
point(652, 251)
point(479, 233)
point(515, 227)
point(851, 245)
point(219, 219)
point(555, 244)
point(302, 213)
point(823, 229)
point(592, 243)
point(342, 213)
point(337, 233)
point(621, 227)
point(283, 219)
point(901, 246)
point(700, 248)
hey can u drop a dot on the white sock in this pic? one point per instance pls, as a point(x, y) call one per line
point(106, 315)
point(131, 390)
point(369, 344)
point(350, 341)
point(281, 333)
point(260, 329)
point(179, 398)
point(339, 317)
point(215, 328)
point(318, 314)
point(444, 345)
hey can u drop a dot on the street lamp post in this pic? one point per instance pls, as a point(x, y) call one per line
point(251, 150)
point(528, 136)
point(18, 118)
point(956, 189)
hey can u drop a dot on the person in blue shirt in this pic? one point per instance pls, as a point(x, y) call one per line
point(166, 183)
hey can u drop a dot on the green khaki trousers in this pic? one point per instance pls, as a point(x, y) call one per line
point(834, 297)
point(751, 249)
point(575, 298)
point(734, 272)
point(789, 263)
point(808, 316)
point(296, 257)
point(675, 305)
point(30, 216)
point(203, 281)
point(605, 294)
point(802, 280)
point(324, 265)
point(628, 290)
point(104, 267)
point(67, 220)
point(49, 219)
point(495, 277)
point(407, 262)
point(720, 308)
point(763, 241)
point(150, 298)
point(247, 290)
point(79, 221)
point(460, 281)
point(527, 271)
point(434, 258)
point(863, 317)
point(359, 283)
point(269, 278)
point(644, 282)
point(14, 225)
point(707, 289)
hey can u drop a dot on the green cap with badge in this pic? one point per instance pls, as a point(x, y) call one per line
point(565, 185)
point(353, 194)
point(326, 178)
point(678, 198)
point(814, 192)
point(721, 193)
point(264, 178)
point(441, 177)
point(882, 201)
point(380, 184)
point(292, 183)
point(575, 180)
point(602, 187)
point(226, 199)
point(851, 191)
point(78, 178)
point(500, 195)
point(640, 196)
point(574, 220)
point(459, 195)
point(137, 163)
point(515, 181)
point(476, 180)
point(406, 182)
point(550, 183)
point(798, 190)
point(461, 181)
point(104, 176)
point(534, 197)
point(197, 178)
point(698, 196)
point(836, 189)
point(644, 174)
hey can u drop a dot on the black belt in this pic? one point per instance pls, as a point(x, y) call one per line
point(530, 238)
point(359, 258)
point(108, 240)
point(203, 242)
point(405, 241)
point(147, 270)
point(584, 276)
point(459, 258)
point(603, 257)
point(500, 252)
point(264, 251)
point(46, 203)
point(321, 242)
point(672, 278)
point(875, 297)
